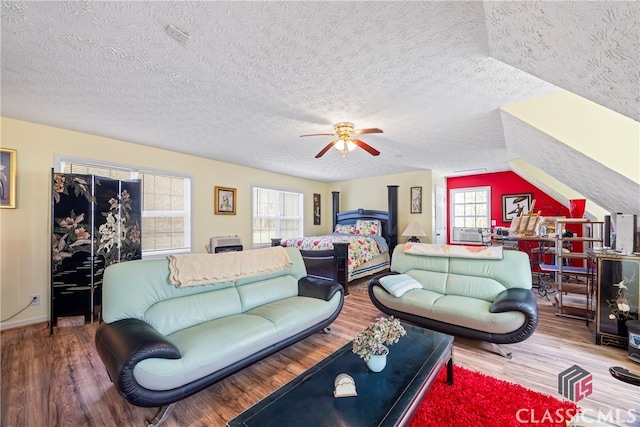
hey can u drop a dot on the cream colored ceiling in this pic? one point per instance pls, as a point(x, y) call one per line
point(255, 75)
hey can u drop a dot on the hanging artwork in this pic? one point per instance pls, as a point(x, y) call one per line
point(316, 209)
point(225, 201)
point(7, 178)
point(514, 205)
point(416, 200)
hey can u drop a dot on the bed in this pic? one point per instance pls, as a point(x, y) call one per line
point(350, 253)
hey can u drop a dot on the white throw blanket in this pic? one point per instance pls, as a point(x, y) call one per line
point(454, 251)
point(201, 269)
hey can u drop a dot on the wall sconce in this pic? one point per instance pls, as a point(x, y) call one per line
point(413, 230)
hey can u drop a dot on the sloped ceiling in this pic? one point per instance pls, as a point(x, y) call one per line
point(253, 76)
point(589, 48)
point(605, 187)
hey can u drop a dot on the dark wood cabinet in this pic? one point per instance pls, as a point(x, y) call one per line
point(618, 297)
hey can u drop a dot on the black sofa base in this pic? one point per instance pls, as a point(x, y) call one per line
point(510, 300)
point(124, 343)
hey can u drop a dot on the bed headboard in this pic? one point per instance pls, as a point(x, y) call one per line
point(388, 219)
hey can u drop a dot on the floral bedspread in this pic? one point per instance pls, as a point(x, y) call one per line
point(361, 248)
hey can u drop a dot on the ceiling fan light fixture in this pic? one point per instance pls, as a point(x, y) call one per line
point(344, 130)
point(346, 139)
point(344, 145)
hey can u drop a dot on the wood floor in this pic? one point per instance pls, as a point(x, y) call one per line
point(60, 381)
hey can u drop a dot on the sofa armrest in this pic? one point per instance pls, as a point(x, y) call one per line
point(516, 299)
point(124, 343)
point(318, 288)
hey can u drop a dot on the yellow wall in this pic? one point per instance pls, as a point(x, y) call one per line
point(555, 188)
point(371, 193)
point(596, 131)
point(25, 231)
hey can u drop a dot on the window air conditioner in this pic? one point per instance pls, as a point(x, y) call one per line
point(467, 235)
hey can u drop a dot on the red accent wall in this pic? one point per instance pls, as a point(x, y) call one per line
point(506, 183)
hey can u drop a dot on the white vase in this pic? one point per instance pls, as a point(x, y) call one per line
point(377, 362)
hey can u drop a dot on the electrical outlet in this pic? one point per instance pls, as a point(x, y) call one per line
point(35, 299)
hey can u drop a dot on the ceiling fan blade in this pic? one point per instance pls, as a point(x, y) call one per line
point(369, 130)
point(366, 147)
point(319, 134)
point(325, 149)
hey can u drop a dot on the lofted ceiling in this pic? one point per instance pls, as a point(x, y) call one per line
point(253, 76)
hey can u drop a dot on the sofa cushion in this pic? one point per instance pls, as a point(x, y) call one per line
point(265, 291)
point(214, 345)
point(293, 315)
point(511, 271)
point(463, 311)
point(399, 284)
point(432, 281)
point(133, 287)
point(174, 314)
point(483, 288)
point(407, 262)
point(207, 348)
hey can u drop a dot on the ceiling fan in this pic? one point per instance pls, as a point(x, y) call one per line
point(345, 141)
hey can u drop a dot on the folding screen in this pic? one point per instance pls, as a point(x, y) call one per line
point(95, 223)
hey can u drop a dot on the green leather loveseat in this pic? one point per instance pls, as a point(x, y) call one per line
point(161, 343)
point(484, 299)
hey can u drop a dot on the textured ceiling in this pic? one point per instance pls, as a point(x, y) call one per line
point(253, 76)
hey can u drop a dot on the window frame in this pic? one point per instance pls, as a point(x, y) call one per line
point(452, 212)
point(279, 190)
point(134, 172)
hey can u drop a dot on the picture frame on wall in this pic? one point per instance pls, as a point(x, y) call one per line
point(514, 205)
point(316, 209)
point(225, 201)
point(416, 200)
point(7, 178)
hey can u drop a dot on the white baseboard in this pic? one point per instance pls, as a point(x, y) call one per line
point(24, 322)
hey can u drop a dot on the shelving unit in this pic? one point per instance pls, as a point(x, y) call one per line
point(575, 299)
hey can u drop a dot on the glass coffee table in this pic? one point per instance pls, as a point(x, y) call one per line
point(387, 398)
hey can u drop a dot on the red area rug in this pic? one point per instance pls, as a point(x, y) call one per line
point(476, 399)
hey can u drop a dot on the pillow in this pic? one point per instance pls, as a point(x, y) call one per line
point(345, 228)
point(368, 227)
point(399, 284)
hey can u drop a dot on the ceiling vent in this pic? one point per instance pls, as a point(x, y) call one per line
point(176, 34)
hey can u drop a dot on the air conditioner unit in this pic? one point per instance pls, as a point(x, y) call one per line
point(467, 235)
point(224, 244)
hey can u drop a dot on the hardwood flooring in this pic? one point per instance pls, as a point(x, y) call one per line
point(59, 380)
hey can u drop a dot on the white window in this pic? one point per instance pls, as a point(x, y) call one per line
point(276, 213)
point(470, 212)
point(166, 203)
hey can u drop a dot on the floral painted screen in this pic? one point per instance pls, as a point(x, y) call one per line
point(95, 223)
point(619, 296)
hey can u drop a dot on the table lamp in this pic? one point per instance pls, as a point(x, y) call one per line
point(413, 230)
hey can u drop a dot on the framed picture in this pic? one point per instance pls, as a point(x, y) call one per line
point(416, 200)
point(514, 205)
point(316, 209)
point(225, 199)
point(7, 178)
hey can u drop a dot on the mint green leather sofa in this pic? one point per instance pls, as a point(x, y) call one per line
point(160, 343)
point(488, 300)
